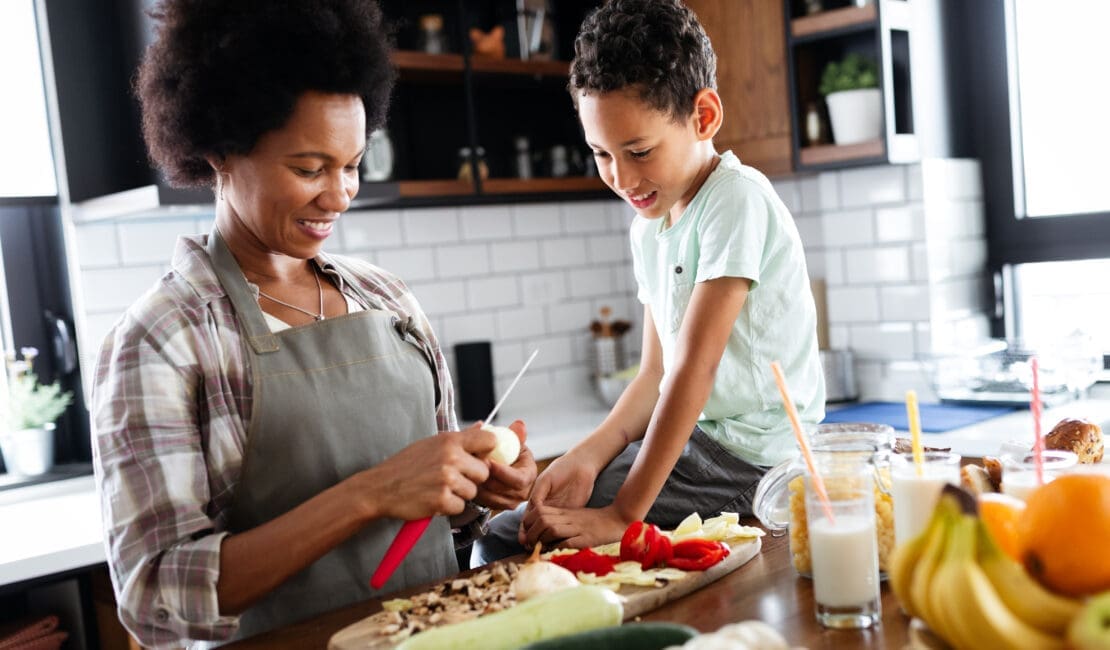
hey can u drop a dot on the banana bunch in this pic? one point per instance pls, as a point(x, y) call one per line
point(970, 593)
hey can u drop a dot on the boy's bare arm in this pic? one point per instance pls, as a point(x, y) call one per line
point(706, 326)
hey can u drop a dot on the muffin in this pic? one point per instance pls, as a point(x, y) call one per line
point(1077, 435)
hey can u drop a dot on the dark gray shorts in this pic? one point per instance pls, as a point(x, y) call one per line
point(707, 479)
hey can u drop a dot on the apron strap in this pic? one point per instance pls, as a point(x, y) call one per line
point(259, 336)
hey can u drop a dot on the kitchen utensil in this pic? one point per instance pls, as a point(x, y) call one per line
point(412, 530)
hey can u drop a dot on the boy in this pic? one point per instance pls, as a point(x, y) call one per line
point(721, 272)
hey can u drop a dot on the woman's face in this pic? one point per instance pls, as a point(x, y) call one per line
point(286, 195)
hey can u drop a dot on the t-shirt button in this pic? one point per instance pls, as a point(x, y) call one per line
point(162, 615)
point(678, 269)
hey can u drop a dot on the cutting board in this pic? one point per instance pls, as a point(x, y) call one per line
point(363, 634)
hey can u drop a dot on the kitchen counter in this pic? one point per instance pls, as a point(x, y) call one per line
point(56, 526)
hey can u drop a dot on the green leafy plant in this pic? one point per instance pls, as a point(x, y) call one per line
point(31, 404)
point(855, 71)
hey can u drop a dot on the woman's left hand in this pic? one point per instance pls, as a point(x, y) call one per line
point(508, 486)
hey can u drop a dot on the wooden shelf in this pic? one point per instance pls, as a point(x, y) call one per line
point(834, 20)
point(447, 187)
point(831, 153)
point(518, 67)
point(410, 61)
point(537, 185)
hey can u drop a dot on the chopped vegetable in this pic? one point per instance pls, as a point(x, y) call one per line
point(646, 544)
point(697, 554)
point(586, 561)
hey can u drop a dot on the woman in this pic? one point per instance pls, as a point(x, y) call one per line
point(264, 416)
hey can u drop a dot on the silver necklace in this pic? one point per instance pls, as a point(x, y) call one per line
point(319, 289)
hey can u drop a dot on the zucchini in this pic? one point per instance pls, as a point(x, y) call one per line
point(563, 612)
point(634, 636)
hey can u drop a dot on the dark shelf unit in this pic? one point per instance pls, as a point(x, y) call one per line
point(879, 30)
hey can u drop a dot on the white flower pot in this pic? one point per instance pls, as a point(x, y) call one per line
point(28, 452)
point(856, 115)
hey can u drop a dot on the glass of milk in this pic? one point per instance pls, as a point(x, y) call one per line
point(916, 492)
point(1019, 475)
point(844, 551)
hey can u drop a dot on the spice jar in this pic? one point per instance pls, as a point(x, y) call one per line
point(430, 39)
point(465, 173)
point(779, 500)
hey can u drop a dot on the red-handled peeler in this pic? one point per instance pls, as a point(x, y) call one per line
point(412, 530)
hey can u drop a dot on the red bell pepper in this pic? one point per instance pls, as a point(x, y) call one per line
point(586, 561)
point(645, 543)
point(697, 554)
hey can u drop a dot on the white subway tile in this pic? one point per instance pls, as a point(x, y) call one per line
point(430, 225)
point(94, 328)
point(440, 298)
point(97, 245)
point(900, 223)
point(853, 304)
point(585, 217)
point(608, 248)
point(486, 293)
point(840, 337)
point(543, 288)
point(370, 229)
point(919, 259)
point(589, 282)
point(951, 178)
point(877, 265)
point(923, 339)
point(873, 186)
point(535, 388)
point(486, 222)
point(462, 261)
point(830, 195)
point(884, 341)
point(410, 264)
point(555, 351)
point(810, 230)
point(203, 225)
point(954, 219)
point(809, 194)
point(827, 264)
point(621, 215)
point(961, 257)
point(914, 180)
point(467, 327)
point(577, 381)
point(624, 281)
point(508, 357)
point(515, 256)
point(151, 242)
point(790, 193)
point(961, 297)
point(849, 228)
point(889, 380)
point(560, 253)
point(521, 323)
point(905, 303)
point(536, 220)
point(106, 290)
point(570, 316)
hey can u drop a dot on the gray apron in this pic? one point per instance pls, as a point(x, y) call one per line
point(330, 399)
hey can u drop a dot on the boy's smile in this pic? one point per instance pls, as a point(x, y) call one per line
point(653, 162)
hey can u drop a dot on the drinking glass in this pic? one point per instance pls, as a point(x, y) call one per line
point(916, 493)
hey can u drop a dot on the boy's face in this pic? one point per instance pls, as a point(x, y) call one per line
point(651, 161)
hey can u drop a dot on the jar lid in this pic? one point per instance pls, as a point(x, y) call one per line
point(431, 22)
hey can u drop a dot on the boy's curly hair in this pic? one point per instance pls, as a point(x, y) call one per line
point(221, 73)
point(656, 45)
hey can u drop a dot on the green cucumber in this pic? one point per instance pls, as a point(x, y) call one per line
point(563, 612)
point(633, 636)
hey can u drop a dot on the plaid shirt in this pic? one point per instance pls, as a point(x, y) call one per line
point(171, 407)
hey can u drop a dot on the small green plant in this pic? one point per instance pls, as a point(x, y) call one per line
point(855, 71)
point(31, 404)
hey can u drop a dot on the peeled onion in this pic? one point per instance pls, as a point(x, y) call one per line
point(508, 445)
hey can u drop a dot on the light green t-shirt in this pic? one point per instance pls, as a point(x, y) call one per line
point(736, 226)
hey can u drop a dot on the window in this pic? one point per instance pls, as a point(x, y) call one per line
point(27, 166)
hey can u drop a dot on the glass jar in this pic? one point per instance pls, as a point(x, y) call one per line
point(779, 501)
point(430, 39)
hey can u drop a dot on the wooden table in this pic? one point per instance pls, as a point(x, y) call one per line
point(766, 588)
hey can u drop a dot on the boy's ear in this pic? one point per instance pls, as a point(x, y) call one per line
point(708, 113)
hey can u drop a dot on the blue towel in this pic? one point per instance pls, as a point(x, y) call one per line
point(935, 418)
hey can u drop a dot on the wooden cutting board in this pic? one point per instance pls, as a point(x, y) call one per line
point(363, 635)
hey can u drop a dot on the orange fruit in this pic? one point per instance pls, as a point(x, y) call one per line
point(1063, 531)
point(1000, 512)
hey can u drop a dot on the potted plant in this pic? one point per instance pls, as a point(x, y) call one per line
point(851, 91)
point(27, 431)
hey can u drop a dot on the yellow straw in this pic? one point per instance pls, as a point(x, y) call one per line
point(914, 416)
point(792, 413)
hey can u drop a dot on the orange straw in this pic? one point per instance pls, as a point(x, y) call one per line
point(788, 404)
point(1038, 440)
point(913, 414)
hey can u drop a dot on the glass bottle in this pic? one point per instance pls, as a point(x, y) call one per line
point(431, 39)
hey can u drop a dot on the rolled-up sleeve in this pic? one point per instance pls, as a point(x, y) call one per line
point(153, 480)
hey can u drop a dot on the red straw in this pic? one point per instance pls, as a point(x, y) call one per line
point(788, 404)
point(1038, 440)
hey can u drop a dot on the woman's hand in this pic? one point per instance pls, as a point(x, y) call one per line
point(566, 483)
point(432, 476)
point(572, 527)
point(508, 485)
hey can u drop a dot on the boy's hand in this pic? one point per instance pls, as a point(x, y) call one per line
point(565, 483)
point(573, 527)
point(508, 485)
